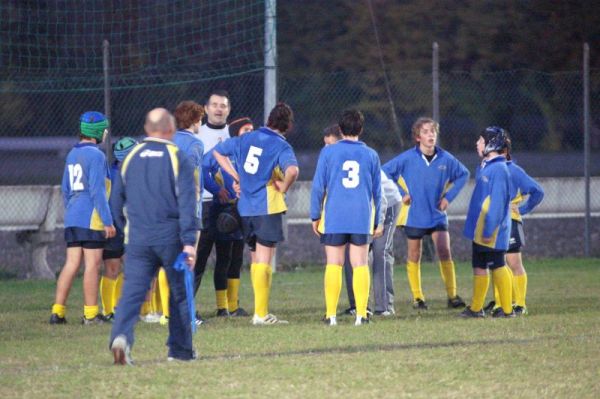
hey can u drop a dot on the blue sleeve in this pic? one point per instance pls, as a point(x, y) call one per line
point(287, 158)
point(530, 187)
point(65, 186)
point(117, 201)
point(459, 175)
point(97, 181)
point(318, 188)
point(377, 187)
point(186, 201)
point(227, 147)
point(210, 167)
point(393, 170)
point(499, 201)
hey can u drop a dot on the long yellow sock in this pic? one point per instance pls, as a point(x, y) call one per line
point(107, 294)
point(361, 282)
point(449, 277)
point(221, 297)
point(512, 283)
point(118, 290)
point(480, 287)
point(413, 270)
point(155, 304)
point(90, 311)
point(333, 287)
point(520, 282)
point(233, 292)
point(146, 306)
point(496, 292)
point(163, 287)
point(260, 285)
point(60, 310)
point(503, 281)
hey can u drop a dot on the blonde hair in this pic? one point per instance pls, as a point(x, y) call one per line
point(416, 127)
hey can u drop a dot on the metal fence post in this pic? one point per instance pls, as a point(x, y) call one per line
point(435, 73)
point(586, 144)
point(105, 67)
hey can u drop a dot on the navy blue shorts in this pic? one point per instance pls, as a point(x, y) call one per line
point(112, 253)
point(267, 230)
point(517, 237)
point(486, 258)
point(337, 239)
point(417, 233)
point(84, 238)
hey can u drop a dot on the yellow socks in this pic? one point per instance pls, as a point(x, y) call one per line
point(221, 296)
point(480, 287)
point(520, 284)
point(414, 279)
point(233, 290)
point(449, 277)
point(163, 287)
point(502, 279)
point(118, 289)
point(107, 294)
point(333, 287)
point(261, 284)
point(146, 306)
point(361, 282)
point(89, 312)
point(59, 310)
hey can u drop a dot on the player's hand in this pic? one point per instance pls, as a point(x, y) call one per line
point(110, 231)
point(486, 240)
point(315, 226)
point(514, 207)
point(443, 204)
point(191, 258)
point(278, 184)
point(378, 231)
point(237, 188)
point(223, 196)
point(406, 199)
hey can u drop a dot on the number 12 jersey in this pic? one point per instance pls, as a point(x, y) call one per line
point(346, 190)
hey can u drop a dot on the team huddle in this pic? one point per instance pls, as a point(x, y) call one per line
point(190, 186)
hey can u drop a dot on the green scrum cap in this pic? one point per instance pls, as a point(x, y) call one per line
point(93, 125)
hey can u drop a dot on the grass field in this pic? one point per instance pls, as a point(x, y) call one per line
point(552, 352)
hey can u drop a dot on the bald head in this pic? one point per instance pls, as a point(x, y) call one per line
point(160, 123)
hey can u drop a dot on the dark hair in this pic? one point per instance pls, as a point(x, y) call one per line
point(187, 113)
point(416, 127)
point(333, 130)
point(351, 122)
point(220, 93)
point(281, 118)
point(238, 124)
point(506, 151)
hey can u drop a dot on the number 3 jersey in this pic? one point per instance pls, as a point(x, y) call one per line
point(261, 156)
point(85, 188)
point(346, 190)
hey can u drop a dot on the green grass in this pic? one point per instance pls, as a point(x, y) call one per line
point(552, 352)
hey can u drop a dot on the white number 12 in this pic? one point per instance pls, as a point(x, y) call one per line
point(75, 176)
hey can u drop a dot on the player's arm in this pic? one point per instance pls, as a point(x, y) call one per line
point(317, 193)
point(532, 188)
point(66, 185)
point(499, 192)
point(393, 169)
point(97, 182)
point(210, 168)
point(459, 176)
point(288, 163)
point(186, 202)
point(377, 195)
point(222, 152)
point(117, 201)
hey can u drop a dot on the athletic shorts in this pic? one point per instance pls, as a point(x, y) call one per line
point(417, 233)
point(267, 230)
point(486, 258)
point(84, 238)
point(112, 254)
point(338, 239)
point(517, 237)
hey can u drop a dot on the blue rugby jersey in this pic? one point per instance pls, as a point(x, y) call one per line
point(489, 209)
point(523, 184)
point(85, 187)
point(192, 147)
point(261, 155)
point(155, 195)
point(427, 183)
point(346, 189)
point(216, 178)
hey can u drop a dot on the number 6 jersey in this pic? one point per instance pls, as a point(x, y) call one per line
point(261, 156)
point(346, 190)
point(85, 188)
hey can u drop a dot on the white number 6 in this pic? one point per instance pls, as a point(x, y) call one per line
point(352, 167)
point(251, 164)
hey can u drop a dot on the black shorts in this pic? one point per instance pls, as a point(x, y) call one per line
point(206, 213)
point(267, 230)
point(517, 237)
point(338, 239)
point(417, 233)
point(112, 253)
point(486, 258)
point(84, 238)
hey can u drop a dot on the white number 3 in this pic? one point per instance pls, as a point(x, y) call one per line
point(75, 176)
point(251, 164)
point(353, 179)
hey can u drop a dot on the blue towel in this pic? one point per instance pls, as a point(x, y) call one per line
point(181, 266)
